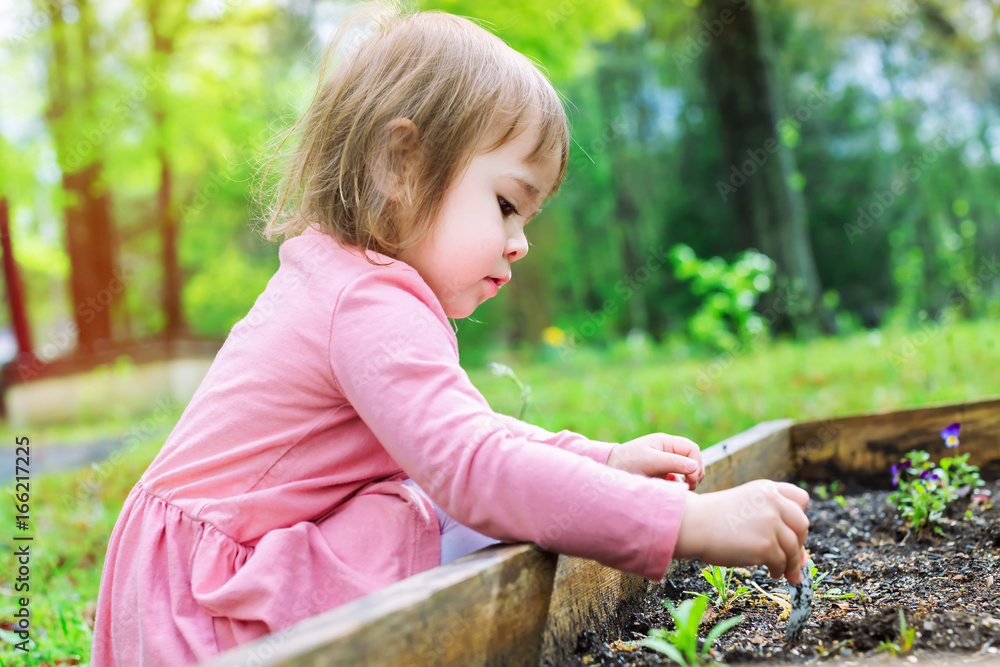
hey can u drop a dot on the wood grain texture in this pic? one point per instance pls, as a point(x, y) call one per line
point(862, 448)
point(487, 608)
point(588, 596)
point(761, 452)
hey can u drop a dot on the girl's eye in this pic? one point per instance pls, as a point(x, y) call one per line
point(506, 208)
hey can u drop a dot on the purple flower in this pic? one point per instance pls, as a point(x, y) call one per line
point(929, 474)
point(950, 435)
point(895, 474)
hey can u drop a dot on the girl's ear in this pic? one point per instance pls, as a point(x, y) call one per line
point(393, 166)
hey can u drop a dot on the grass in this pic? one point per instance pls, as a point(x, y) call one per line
point(611, 396)
point(71, 518)
point(712, 398)
point(105, 427)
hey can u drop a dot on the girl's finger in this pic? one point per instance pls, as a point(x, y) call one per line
point(680, 445)
point(666, 463)
point(794, 493)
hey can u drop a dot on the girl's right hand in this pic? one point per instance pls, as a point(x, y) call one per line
point(760, 522)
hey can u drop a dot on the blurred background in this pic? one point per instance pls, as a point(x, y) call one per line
point(852, 147)
point(773, 209)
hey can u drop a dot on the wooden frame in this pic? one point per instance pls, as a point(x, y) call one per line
point(518, 605)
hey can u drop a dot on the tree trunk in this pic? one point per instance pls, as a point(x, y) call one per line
point(760, 166)
point(15, 293)
point(162, 37)
point(169, 230)
point(619, 83)
point(95, 285)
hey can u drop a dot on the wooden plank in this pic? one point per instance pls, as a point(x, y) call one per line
point(487, 608)
point(761, 452)
point(587, 595)
point(862, 448)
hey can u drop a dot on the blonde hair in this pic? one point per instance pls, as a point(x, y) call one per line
point(461, 87)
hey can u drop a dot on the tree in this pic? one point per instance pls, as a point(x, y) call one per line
point(761, 165)
point(164, 21)
point(95, 282)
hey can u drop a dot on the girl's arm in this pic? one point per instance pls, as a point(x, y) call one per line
point(394, 357)
point(565, 439)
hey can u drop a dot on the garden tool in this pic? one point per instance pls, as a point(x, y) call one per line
point(801, 597)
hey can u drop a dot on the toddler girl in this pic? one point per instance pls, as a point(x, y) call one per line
point(336, 445)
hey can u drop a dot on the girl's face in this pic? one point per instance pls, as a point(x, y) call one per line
point(479, 232)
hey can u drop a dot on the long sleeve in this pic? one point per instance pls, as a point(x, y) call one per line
point(395, 358)
point(565, 439)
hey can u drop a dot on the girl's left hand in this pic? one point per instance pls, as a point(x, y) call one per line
point(660, 455)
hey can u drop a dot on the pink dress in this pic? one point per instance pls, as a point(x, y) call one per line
point(280, 494)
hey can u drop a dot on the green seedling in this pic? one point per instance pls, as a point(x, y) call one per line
point(836, 594)
point(823, 491)
point(815, 574)
point(831, 594)
point(719, 578)
point(840, 500)
point(681, 643)
point(906, 637)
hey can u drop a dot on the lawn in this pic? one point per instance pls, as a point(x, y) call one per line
point(614, 396)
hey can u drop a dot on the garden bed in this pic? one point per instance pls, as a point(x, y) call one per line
point(945, 584)
point(518, 605)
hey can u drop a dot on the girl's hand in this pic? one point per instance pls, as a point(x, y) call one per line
point(660, 455)
point(757, 523)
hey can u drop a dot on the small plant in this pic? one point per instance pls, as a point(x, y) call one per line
point(830, 594)
point(906, 637)
point(815, 574)
point(506, 371)
point(924, 489)
point(681, 644)
point(823, 491)
point(719, 579)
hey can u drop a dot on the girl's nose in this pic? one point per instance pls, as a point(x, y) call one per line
point(517, 246)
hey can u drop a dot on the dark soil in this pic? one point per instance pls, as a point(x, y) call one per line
point(947, 585)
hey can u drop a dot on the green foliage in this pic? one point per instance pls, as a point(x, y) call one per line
point(925, 489)
point(959, 476)
point(728, 294)
point(719, 579)
point(708, 399)
point(681, 643)
point(823, 491)
point(529, 26)
point(904, 644)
